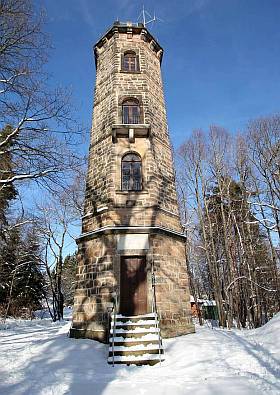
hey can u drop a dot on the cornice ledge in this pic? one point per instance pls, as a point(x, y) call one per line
point(130, 229)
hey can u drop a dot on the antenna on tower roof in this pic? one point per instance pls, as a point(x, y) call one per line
point(144, 14)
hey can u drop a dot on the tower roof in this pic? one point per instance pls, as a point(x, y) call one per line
point(128, 27)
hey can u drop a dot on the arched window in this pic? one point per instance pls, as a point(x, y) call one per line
point(130, 62)
point(131, 172)
point(130, 111)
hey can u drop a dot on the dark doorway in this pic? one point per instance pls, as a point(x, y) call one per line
point(133, 295)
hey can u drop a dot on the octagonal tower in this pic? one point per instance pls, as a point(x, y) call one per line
point(132, 248)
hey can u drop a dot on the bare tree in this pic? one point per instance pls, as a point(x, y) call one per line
point(197, 180)
point(263, 137)
point(39, 130)
point(57, 221)
point(264, 149)
point(222, 182)
point(39, 139)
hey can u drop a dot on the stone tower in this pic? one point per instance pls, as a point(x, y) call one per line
point(132, 248)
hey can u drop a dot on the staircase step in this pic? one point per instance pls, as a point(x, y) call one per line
point(136, 340)
point(146, 338)
point(132, 334)
point(132, 317)
point(145, 359)
point(136, 330)
point(133, 342)
point(148, 323)
point(139, 347)
point(136, 352)
point(133, 327)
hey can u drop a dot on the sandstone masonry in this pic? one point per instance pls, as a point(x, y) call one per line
point(115, 219)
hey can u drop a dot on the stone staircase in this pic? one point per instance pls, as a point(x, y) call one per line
point(137, 340)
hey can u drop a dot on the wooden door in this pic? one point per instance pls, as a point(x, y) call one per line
point(133, 292)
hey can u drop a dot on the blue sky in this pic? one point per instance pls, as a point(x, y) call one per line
point(221, 62)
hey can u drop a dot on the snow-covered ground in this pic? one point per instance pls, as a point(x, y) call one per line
point(37, 358)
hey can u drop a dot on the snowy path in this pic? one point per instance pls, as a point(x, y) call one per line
point(37, 358)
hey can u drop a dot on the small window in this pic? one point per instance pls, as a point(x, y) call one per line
point(130, 62)
point(131, 112)
point(131, 172)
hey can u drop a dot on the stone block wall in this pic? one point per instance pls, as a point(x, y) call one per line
point(110, 212)
point(112, 86)
point(96, 281)
point(171, 285)
point(98, 278)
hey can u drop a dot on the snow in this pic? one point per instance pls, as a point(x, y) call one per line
point(152, 315)
point(266, 335)
point(135, 323)
point(138, 347)
point(37, 358)
point(136, 358)
point(147, 337)
point(136, 330)
point(205, 302)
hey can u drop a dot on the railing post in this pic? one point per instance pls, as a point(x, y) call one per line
point(154, 308)
point(115, 302)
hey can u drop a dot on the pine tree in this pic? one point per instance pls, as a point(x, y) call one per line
point(22, 284)
point(8, 269)
point(240, 250)
point(7, 191)
point(30, 282)
point(68, 278)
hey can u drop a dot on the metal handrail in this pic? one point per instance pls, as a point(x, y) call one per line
point(115, 301)
point(154, 308)
point(131, 119)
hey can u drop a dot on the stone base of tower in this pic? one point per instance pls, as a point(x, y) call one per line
point(171, 285)
point(98, 280)
point(101, 336)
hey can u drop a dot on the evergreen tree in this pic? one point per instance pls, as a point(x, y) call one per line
point(22, 283)
point(68, 278)
point(8, 268)
point(7, 191)
point(30, 282)
point(240, 251)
